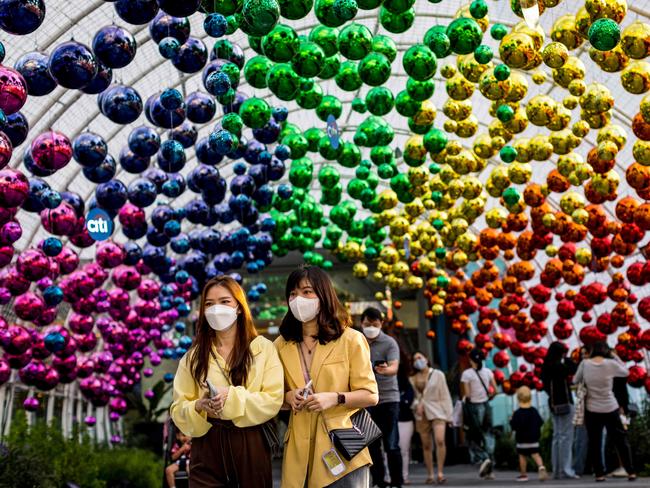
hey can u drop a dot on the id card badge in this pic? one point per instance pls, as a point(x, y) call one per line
point(333, 462)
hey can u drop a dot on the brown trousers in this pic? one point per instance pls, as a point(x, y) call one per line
point(229, 456)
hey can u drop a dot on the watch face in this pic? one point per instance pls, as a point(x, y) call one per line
point(341, 399)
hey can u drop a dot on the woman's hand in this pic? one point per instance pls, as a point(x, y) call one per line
point(219, 400)
point(321, 401)
point(205, 405)
point(295, 399)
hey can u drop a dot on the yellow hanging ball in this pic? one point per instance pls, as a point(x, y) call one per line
point(555, 55)
point(517, 50)
point(565, 32)
point(636, 77)
point(360, 270)
point(635, 40)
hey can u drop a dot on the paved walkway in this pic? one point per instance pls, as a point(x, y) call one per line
point(465, 476)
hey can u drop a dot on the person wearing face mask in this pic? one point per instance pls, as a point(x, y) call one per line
point(384, 352)
point(433, 411)
point(226, 387)
point(328, 378)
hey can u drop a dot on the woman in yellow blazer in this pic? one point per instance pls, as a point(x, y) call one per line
point(317, 344)
point(228, 446)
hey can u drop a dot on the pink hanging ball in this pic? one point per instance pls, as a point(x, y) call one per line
point(51, 151)
point(13, 90)
point(14, 188)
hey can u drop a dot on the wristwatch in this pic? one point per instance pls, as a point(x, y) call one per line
point(341, 399)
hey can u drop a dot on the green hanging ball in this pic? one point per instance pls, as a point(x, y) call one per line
point(358, 105)
point(498, 31)
point(259, 16)
point(438, 223)
point(604, 34)
point(434, 169)
point(508, 154)
point(380, 101)
point(368, 4)
point(308, 61)
point(349, 156)
point(328, 176)
point(300, 176)
point(354, 189)
point(386, 46)
point(255, 42)
point(233, 123)
point(311, 98)
point(419, 62)
point(435, 141)
point(483, 54)
point(405, 105)
point(232, 24)
point(478, 9)
point(385, 171)
point(324, 10)
point(312, 137)
point(374, 69)
point(348, 79)
point(465, 35)
point(281, 44)
point(362, 172)
point(223, 7)
point(346, 9)
point(295, 9)
point(420, 90)
point(298, 145)
point(327, 265)
point(441, 253)
point(418, 128)
point(436, 39)
point(396, 23)
point(331, 67)
point(505, 113)
point(255, 112)
point(283, 82)
point(256, 70)
point(233, 72)
point(511, 196)
point(355, 41)
point(502, 72)
point(397, 6)
point(329, 106)
point(326, 38)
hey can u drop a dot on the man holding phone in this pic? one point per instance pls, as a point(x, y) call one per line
point(384, 353)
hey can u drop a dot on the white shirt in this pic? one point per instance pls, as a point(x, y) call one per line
point(477, 393)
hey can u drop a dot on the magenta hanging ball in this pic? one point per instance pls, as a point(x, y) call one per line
point(73, 65)
point(109, 254)
point(5, 371)
point(6, 255)
point(149, 394)
point(126, 277)
point(31, 404)
point(89, 149)
point(15, 340)
point(116, 439)
point(14, 188)
point(165, 25)
point(191, 57)
point(28, 306)
point(90, 421)
point(13, 90)
point(10, 232)
point(131, 216)
point(20, 17)
point(33, 264)
point(179, 9)
point(51, 150)
point(16, 128)
point(60, 221)
point(33, 67)
point(6, 150)
point(136, 12)
point(148, 289)
point(121, 104)
point(114, 46)
point(113, 417)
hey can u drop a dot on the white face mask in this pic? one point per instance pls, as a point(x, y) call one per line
point(304, 309)
point(420, 364)
point(220, 317)
point(371, 332)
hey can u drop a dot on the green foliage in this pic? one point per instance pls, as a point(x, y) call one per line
point(640, 440)
point(42, 457)
point(148, 409)
point(546, 442)
point(505, 452)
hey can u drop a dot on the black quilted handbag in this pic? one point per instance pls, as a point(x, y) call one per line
point(350, 442)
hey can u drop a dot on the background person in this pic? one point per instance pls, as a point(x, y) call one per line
point(556, 373)
point(406, 423)
point(317, 344)
point(601, 408)
point(527, 425)
point(180, 455)
point(228, 445)
point(433, 410)
point(384, 352)
point(477, 388)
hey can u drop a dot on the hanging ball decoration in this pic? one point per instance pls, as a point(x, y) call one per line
point(255, 112)
point(259, 17)
point(164, 25)
point(16, 128)
point(51, 150)
point(73, 65)
point(464, 35)
point(114, 46)
point(20, 17)
point(604, 34)
point(201, 108)
point(419, 62)
point(6, 150)
point(121, 104)
point(34, 69)
point(171, 99)
point(345, 9)
point(89, 149)
point(498, 31)
point(215, 25)
point(13, 90)
point(179, 9)
point(191, 55)
point(101, 81)
point(217, 83)
point(136, 12)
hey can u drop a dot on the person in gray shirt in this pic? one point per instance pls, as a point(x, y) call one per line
point(384, 353)
point(601, 408)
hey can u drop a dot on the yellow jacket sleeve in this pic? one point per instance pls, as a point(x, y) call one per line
point(185, 394)
point(361, 375)
point(261, 400)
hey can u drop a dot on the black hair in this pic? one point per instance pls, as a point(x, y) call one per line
point(600, 348)
point(477, 356)
point(371, 313)
point(555, 354)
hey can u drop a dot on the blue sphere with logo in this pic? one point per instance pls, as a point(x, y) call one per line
point(89, 149)
point(20, 17)
point(73, 65)
point(215, 25)
point(114, 46)
point(144, 141)
point(34, 68)
point(99, 224)
point(111, 195)
point(103, 172)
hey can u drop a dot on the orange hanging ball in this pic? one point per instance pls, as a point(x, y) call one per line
point(431, 335)
point(397, 304)
point(641, 128)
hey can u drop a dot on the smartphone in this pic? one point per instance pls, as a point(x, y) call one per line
point(333, 462)
point(211, 388)
point(305, 391)
point(380, 363)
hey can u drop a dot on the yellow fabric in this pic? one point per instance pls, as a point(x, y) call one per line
point(260, 400)
point(339, 366)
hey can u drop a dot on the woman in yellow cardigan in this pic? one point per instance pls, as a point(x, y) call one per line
point(317, 344)
point(228, 446)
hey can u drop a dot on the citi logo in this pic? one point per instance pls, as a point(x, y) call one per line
point(99, 224)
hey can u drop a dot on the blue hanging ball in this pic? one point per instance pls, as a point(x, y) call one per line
point(89, 149)
point(269, 133)
point(171, 99)
point(201, 107)
point(133, 163)
point(253, 295)
point(169, 377)
point(34, 68)
point(16, 128)
point(50, 198)
point(183, 309)
point(33, 203)
point(186, 134)
point(164, 25)
point(239, 168)
point(282, 152)
point(101, 81)
point(262, 288)
point(264, 157)
point(179, 9)
point(52, 246)
point(252, 268)
point(103, 172)
point(20, 17)
point(111, 195)
point(268, 224)
point(280, 114)
point(133, 253)
point(171, 157)
point(114, 46)
point(223, 141)
point(215, 25)
point(169, 47)
point(285, 191)
point(53, 295)
point(175, 186)
point(217, 83)
point(276, 170)
point(172, 228)
point(206, 153)
point(185, 342)
point(191, 56)
point(3, 52)
point(54, 342)
point(181, 277)
point(180, 244)
point(136, 12)
point(121, 104)
point(242, 184)
point(160, 116)
point(142, 192)
point(144, 141)
point(156, 175)
point(73, 65)
point(263, 195)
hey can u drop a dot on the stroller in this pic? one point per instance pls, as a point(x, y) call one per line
point(169, 439)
